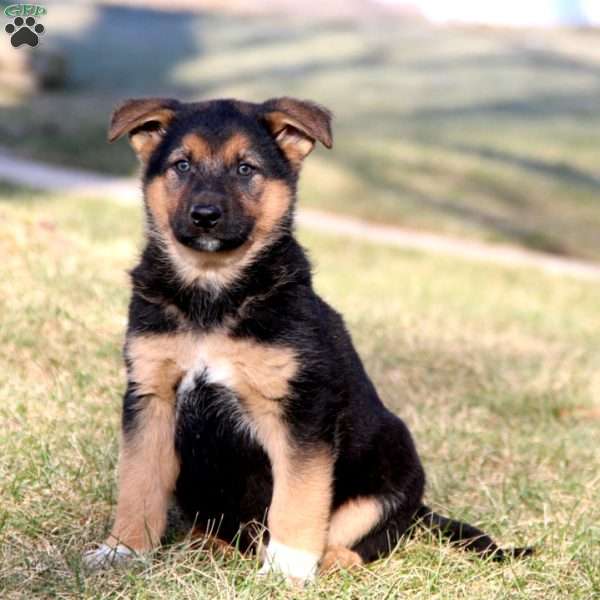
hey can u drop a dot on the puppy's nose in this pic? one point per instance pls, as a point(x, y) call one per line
point(205, 215)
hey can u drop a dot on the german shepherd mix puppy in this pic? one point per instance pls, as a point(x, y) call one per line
point(245, 397)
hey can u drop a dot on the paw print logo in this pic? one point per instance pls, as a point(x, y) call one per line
point(24, 32)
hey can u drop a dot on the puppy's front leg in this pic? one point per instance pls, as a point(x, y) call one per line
point(300, 509)
point(148, 468)
point(148, 464)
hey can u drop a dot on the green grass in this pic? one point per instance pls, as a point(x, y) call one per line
point(493, 369)
point(488, 134)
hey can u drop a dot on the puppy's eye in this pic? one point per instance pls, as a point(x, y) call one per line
point(183, 166)
point(245, 170)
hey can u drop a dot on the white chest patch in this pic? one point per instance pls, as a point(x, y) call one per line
point(255, 372)
point(258, 375)
point(215, 370)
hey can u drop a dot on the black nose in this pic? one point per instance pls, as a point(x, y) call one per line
point(205, 215)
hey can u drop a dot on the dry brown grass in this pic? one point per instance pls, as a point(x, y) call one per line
point(490, 367)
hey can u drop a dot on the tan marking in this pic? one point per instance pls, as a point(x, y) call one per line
point(312, 119)
point(269, 211)
point(218, 269)
point(214, 269)
point(291, 136)
point(295, 145)
point(161, 204)
point(260, 372)
point(148, 469)
point(145, 142)
point(135, 113)
point(196, 147)
point(353, 520)
point(158, 362)
point(201, 539)
point(174, 313)
point(234, 148)
point(148, 465)
point(260, 376)
point(302, 489)
point(338, 557)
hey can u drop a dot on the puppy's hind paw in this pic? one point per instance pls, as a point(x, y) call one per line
point(106, 556)
point(337, 557)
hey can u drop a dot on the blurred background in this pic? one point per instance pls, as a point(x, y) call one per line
point(474, 119)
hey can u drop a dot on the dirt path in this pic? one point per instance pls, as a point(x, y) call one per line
point(126, 190)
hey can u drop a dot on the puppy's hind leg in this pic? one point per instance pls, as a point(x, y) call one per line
point(360, 531)
point(386, 535)
point(349, 523)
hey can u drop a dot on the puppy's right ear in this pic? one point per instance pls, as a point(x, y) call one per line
point(145, 120)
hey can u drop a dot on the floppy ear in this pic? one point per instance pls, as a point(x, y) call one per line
point(145, 120)
point(296, 125)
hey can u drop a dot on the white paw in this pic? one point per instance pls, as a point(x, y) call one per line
point(295, 565)
point(106, 556)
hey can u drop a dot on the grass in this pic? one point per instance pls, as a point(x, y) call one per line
point(488, 134)
point(495, 370)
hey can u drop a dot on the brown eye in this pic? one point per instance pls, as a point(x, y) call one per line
point(183, 166)
point(245, 170)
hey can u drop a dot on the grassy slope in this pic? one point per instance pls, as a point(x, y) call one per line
point(484, 133)
point(488, 366)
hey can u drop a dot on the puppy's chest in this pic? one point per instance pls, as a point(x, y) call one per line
point(258, 374)
point(253, 370)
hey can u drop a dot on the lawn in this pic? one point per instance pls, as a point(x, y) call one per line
point(483, 133)
point(495, 370)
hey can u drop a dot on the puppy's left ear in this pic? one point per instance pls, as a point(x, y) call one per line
point(296, 125)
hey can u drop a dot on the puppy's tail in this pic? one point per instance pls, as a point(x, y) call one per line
point(466, 536)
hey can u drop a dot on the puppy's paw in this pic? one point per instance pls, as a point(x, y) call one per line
point(297, 566)
point(338, 557)
point(106, 556)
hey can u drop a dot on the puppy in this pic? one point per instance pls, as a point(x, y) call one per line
point(246, 399)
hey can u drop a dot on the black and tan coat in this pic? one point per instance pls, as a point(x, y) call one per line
point(246, 400)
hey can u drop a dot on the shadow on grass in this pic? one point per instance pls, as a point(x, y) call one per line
point(447, 101)
point(505, 228)
point(560, 170)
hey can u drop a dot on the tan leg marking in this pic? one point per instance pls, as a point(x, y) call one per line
point(148, 465)
point(338, 557)
point(300, 507)
point(260, 375)
point(148, 468)
point(353, 520)
point(299, 512)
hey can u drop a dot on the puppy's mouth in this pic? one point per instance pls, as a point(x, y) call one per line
point(213, 242)
point(205, 244)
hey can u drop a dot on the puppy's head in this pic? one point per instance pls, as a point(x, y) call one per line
point(219, 176)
